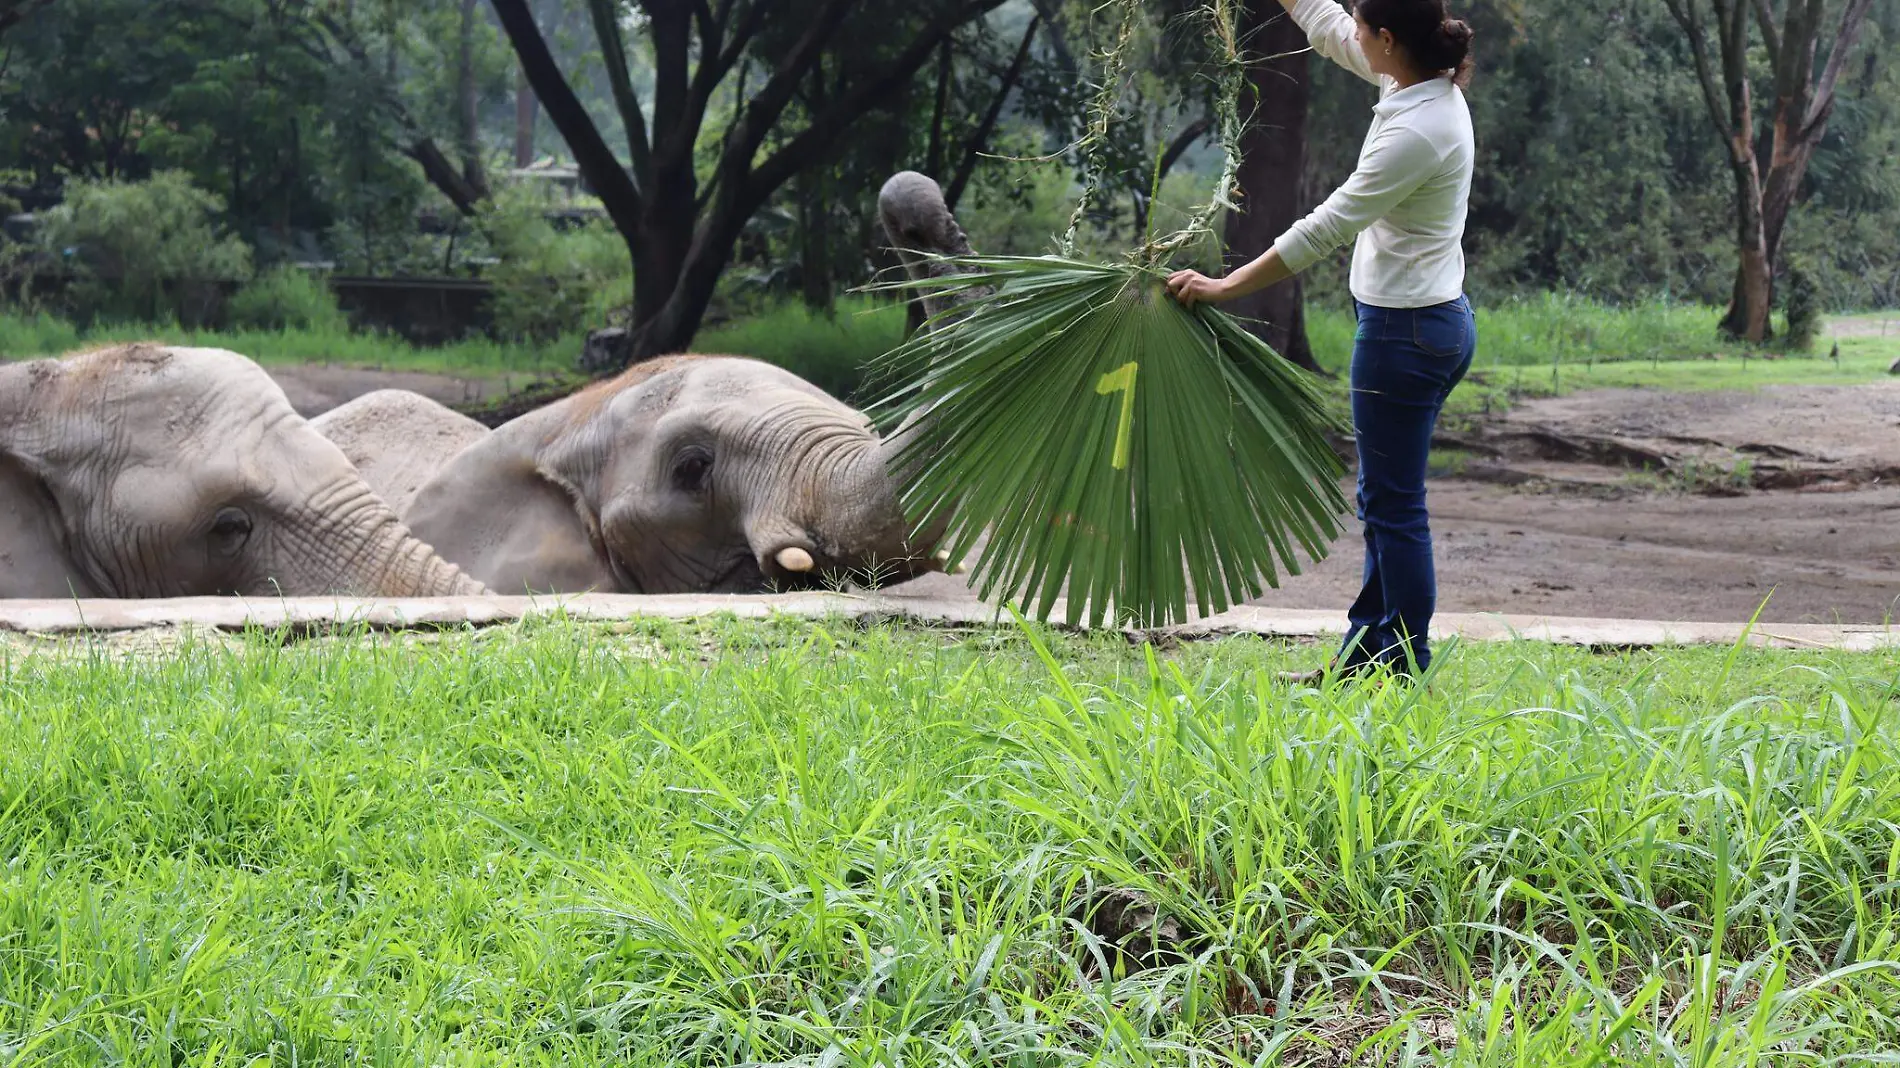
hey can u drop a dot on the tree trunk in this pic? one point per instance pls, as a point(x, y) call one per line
point(1272, 159)
point(525, 108)
point(1753, 296)
point(1803, 105)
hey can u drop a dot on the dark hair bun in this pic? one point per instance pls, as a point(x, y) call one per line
point(1430, 36)
point(1449, 47)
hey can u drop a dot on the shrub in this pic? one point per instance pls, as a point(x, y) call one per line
point(149, 250)
point(286, 298)
point(550, 282)
point(831, 352)
point(1804, 309)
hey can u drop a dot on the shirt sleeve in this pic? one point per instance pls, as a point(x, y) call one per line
point(1334, 34)
point(1396, 163)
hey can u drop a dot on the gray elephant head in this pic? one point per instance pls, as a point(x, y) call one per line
point(920, 228)
point(685, 474)
point(143, 471)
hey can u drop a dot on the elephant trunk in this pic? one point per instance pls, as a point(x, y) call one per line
point(413, 569)
point(898, 469)
point(384, 559)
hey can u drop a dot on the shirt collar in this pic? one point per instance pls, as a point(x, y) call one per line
point(1411, 96)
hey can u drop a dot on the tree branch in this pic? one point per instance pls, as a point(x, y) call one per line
point(1852, 21)
point(974, 147)
point(596, 161)
point(442, 174)
point(758, 115)
point(1183, 141)
point(1051, 13)
point(1687, 15)
point(613, 54)
point(717, 60)
point(1765, 16)
point(415, 143)
point(933, 155)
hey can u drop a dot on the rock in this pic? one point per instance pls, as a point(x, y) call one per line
point(605, 350)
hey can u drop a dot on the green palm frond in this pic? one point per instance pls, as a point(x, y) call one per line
point(1113, 444)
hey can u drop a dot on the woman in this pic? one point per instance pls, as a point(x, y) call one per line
point(1405, 205)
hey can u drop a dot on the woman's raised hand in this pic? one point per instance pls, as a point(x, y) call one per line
point(1193, 287)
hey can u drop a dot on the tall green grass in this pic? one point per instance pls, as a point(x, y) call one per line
point(1556, 328)
point(33, 335)
point(832, 352)
point(1546, 344)
point(799, 845)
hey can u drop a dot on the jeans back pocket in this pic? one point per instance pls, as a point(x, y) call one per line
point(1442, 329)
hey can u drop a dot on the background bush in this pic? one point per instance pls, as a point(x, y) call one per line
point(142, 250)
point(832, 352)
point(549, 281)
point(286, 298)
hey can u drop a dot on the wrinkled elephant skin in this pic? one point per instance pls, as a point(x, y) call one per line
point(685, 474)
point(144, 471)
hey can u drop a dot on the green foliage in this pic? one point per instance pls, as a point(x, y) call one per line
point(835, 352)
point(550, 282)
point(286, 298)
point(806, 844)
point(1804, 309)
point(38, 334)
point(141, 249)
point(1109, 444)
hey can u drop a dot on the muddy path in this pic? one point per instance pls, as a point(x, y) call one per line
point(1674, 506)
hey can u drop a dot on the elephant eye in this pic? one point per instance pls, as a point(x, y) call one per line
point(230, 529)
point(692, 469)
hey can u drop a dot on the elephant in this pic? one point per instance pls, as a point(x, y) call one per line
point(921, 227)
point(142, 471)
point(694, 473)
point(398, 440)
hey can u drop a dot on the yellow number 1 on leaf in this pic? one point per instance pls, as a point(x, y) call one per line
point(1121, 379)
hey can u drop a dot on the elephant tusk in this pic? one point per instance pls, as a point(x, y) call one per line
point(943, 563)
point(793, 558)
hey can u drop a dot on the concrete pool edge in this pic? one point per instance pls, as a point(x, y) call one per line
point(235, 614)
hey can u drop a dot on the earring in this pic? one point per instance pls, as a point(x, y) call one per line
point(1388, 50)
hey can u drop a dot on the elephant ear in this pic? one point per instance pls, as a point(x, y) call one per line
point(34, 560)
point(514, 510)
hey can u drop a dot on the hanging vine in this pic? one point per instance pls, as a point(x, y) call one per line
point(1224, 33)
point(1102, 110)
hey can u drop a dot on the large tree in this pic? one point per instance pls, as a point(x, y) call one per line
point(1272, 161)
point(680, 226)
point(1804, 92)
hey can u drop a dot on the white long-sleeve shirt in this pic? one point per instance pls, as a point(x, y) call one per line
point(1405, 204)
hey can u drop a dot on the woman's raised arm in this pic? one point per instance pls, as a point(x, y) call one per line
point(1333, 34)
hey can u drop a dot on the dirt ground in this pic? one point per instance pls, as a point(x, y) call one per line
point(1611, 503)
point(1672, 506)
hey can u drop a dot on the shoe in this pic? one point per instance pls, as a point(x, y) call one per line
point(1319, 675)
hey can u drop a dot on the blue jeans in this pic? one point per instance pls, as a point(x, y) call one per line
point(1405, 362)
